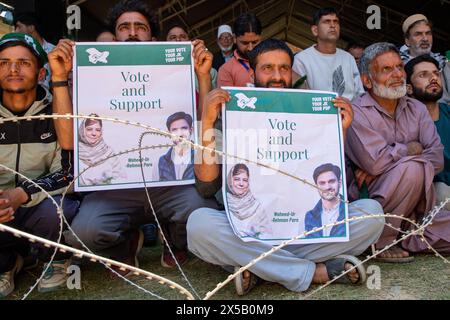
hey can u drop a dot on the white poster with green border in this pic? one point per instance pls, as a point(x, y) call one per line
point(148, 83)
point(295, 131)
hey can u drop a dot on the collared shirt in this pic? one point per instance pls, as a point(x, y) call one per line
point(227, 57)
point(329, 217)
point(235, 73)
point(181, 162)
point(406, 56)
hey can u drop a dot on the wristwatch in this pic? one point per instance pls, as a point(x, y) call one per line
point(54, 84)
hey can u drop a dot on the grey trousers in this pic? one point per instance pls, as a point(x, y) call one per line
point(211, 238)
point(106, 218)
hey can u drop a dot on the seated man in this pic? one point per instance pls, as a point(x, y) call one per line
point(177, 33)
point(33, 149)
point(210, 235)
point(236, 71)
point(424, 84)
point(109, 221)
point(29, 23)
point(418, 35)
point(394, 142)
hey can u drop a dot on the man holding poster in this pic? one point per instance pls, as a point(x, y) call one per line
point(109, 220)
point(210, 235)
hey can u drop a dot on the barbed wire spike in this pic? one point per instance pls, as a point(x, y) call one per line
point(428, 219)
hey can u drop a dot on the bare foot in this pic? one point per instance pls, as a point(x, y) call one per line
point(246, 277)
point(394, 253)
point(352, 275)
point(321, 274)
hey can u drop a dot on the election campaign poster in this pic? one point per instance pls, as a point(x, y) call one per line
point(147, 83)
point(300, 134)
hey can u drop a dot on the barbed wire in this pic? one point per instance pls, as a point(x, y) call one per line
point(80, 254)
point(59, 212)
point(166, 243)
point(117, 274)
point(428, 219)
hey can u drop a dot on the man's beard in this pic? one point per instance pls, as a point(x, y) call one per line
point(243, 55)
point(225, 49)
point(329, 195)
point(383, 91)
point(182, 144)
point(420, 51)
point(270, 84)
point(133, 39)
point(20, 90)
point(424, 96)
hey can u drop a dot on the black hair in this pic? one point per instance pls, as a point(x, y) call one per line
point(11, 44)
point(326, 168)
point(323, 12)
point(247, 22)
point(124, 6)
point(409, 67)
point(354, 45)
point(103, 31)
point(238, 168)
point(179, 116)
point(29, 19)
point(176, 25)
point(266, 46)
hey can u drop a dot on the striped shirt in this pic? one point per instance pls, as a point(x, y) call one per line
point(404, 54)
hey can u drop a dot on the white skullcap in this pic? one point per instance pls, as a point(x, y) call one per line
point(224, 29)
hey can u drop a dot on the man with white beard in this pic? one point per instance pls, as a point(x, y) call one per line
point(395, 145)
point(418, 41)
point(225, 41)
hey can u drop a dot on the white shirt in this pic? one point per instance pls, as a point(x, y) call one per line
point(181, 162)
point(329, 217)
point(329, 72)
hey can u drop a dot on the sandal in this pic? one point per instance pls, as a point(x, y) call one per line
point(392, 259)
point(239, 282)
point(335, 267)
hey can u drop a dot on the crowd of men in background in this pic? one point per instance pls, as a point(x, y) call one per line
point(396, 120)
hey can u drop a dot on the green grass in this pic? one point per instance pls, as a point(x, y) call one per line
point(428, 277)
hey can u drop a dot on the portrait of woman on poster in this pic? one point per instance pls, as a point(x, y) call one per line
point(92, 148)
point(248, 215)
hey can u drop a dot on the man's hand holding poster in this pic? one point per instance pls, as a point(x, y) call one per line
point(299, 133)
point(134, 82)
